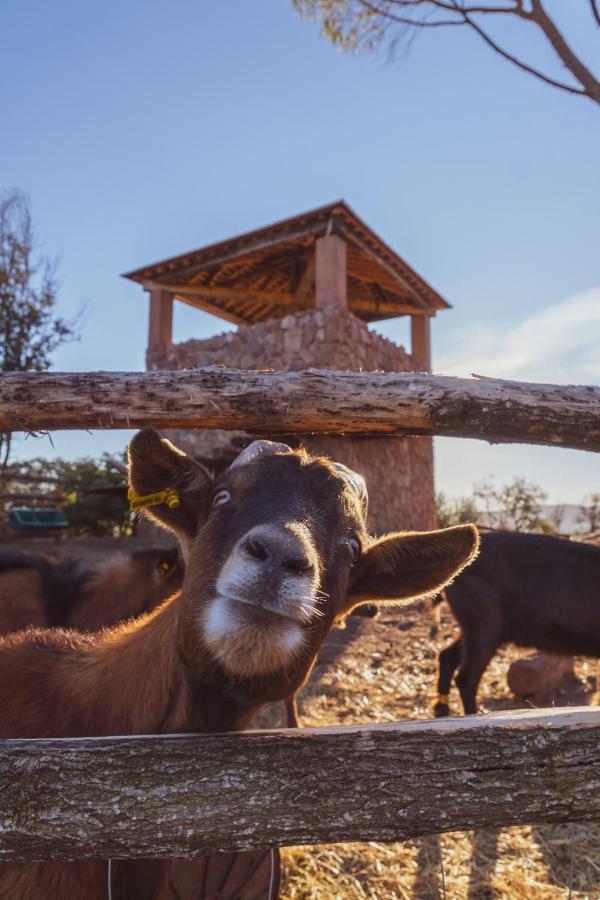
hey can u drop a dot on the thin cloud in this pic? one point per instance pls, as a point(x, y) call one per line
point(560, 344)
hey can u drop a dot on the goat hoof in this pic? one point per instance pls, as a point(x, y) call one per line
point(440, 710)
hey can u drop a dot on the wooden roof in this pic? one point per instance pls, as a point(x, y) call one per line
point(268, 272)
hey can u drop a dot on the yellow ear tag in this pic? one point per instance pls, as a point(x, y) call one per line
point(169, 497)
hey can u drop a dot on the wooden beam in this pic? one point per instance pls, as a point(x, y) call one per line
point(292, 304)
point(191, 795)
point(212, 308)
point(278, 298)
point(390, 308)
point(306, 282)
point(314, 401)
point(420, 343)
point(352, 238)
point(160, 326)
point(201, 299)
point(331, 281)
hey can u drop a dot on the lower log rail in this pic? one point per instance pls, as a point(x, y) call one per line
point(189, 795)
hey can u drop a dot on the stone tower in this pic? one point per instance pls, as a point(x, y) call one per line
point(302, 292)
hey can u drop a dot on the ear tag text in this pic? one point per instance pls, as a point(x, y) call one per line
point(169, 497)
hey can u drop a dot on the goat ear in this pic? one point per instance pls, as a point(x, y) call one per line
point(406, 565)
point(155, 464)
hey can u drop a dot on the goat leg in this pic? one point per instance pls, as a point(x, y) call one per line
point(291, 708)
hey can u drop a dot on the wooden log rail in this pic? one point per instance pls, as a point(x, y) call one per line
point(305, 402)
point(190, 795)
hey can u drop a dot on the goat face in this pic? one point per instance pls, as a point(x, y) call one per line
point(284, 531)
point(277, 550)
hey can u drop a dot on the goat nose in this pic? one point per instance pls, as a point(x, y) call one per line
point(257, 548)
point(279, 551)
point(297, 565)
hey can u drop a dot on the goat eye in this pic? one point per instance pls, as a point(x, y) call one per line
point(220, 498)
point(353, 546)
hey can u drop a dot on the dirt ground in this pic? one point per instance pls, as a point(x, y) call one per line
point(383, 670)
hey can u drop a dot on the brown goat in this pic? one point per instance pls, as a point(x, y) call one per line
point(42, 592)
point(276, 551)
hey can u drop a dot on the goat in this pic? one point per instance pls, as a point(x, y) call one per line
point(531, 590)
point(44, 592)
point(276, 550)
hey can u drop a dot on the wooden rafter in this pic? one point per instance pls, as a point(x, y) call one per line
point(391, 271)
point(306, 282)
point(255, 244)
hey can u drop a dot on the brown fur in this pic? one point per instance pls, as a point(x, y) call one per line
point(81, 685)
point(21, 603)
point(122, 587)
point(156, 674)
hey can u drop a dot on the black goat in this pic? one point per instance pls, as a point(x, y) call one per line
point(526, 589)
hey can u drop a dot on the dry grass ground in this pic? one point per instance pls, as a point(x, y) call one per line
point(383, 671)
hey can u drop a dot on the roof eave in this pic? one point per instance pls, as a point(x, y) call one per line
point(308, 224)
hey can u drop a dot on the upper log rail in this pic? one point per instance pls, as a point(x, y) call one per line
point(313, 401)
point(186, 795)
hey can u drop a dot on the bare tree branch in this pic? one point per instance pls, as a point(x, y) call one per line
point(572, 62)
point(413, 23)
point(520, 64)
point(453, 7)
point(383, 9)
point(366, 23)
point(537, 15)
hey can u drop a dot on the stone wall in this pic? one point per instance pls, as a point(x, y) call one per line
point(327, 338)
point(399, 471)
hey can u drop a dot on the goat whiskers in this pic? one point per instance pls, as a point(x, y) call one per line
point(307, 606)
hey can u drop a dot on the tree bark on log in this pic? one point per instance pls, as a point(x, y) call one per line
point(190, 795)
point(313, 401)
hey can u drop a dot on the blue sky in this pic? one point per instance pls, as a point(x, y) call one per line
point(144, 129)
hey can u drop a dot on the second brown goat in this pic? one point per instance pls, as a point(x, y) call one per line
point(47, 592)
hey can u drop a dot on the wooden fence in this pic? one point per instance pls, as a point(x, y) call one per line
point(185, 795)
point(182, 795)
point(302, 402)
